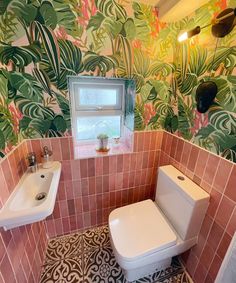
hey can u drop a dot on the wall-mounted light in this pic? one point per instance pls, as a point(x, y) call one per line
point(221, 26)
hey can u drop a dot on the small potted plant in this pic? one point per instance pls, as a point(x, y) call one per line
point(102, 143)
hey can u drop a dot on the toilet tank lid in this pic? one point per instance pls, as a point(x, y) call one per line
point(191, 190)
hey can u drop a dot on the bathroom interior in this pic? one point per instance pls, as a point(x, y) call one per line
point(117, 141)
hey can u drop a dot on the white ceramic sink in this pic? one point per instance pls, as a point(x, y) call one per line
point(33, 199)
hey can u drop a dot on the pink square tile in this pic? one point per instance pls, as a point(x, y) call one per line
point(179, 149)
point(186, 153)
point(91, 167)
point(168, 144)
point(75, 169)
point(119, 181)
point(200, 273)
point(125, 180)
point(133, 161)
point(231, 185)
point(173, 146)
point(85, 202)
point(105, 183)
point(193, 160)
point(139, 160)
point(65, 148)
point(206, 226)
point(135, 142)
point(224, 244)
point(191, 264)
point(120, 163)
point(231, 227)
point(215, 236)
point(140, 141)
point(105, 165)
point(92, 186)
point(56, 148)
point(7, 175)
point(113, 164)
point(99, 166)
point(99, 185)
point(78, 205)
point(211, 168)
point(207, 256)
point(224, 212)
point(215, 198)
point(201, 163)
point(145, 159)
point(84, 168)
point(215, 266)
point(147, 140)
point(84, 187)
point(66, 174)
point(4, 189)
point(126, 162)
point(159, 140)
point(222, 175)
point(153, 140)
point(131, 179)
point(77, 188)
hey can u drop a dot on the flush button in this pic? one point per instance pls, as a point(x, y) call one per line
point(181, 178)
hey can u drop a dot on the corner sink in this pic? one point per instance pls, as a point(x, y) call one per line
point(33, 199)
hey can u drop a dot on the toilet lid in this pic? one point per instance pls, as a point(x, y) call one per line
point(140, 229)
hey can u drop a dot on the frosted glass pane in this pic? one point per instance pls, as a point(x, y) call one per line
point(93, 96)
point(88, 128)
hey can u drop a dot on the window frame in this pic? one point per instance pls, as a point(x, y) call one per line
point(83, 111)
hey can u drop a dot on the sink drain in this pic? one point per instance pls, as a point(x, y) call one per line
point(40, 196)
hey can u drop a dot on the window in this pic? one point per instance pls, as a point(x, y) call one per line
point(97, 107)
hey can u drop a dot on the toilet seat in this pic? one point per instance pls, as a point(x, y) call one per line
point(139, 230)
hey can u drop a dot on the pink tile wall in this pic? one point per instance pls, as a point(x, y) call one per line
point(217, 176)
point(91, 188)
point(21, 249)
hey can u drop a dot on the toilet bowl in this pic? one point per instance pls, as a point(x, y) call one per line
point(146, 235)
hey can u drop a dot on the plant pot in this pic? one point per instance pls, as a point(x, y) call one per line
point(102, 144)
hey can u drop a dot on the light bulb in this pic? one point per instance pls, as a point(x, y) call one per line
point(183, 37)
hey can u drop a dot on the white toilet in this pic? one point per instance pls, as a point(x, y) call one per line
point(146, 235)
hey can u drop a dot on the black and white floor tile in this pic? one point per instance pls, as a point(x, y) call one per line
point(88, 258)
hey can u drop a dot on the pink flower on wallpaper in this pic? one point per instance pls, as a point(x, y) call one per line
point(149, 112)
point(201, 121)
point(61, 33)
point(87, 9)
point(137, 43)
point(16, 116)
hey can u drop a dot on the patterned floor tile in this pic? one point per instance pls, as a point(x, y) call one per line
point(100, 266)
point(88, 257)
point(64, 247)
point(68, 270)
point(96, 238)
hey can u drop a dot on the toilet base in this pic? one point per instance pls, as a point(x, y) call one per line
point(135, 274)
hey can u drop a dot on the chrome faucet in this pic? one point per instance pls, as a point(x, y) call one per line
point(32, 162)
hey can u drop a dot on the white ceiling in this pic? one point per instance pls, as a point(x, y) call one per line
point(174, 10)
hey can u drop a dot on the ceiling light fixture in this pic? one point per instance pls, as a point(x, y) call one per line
point(221, 26)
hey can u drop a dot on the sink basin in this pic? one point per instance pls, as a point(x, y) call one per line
point(33, 199)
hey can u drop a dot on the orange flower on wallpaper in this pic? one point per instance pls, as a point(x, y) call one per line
point(149, 112)
point(156, 25)
point(16, 116)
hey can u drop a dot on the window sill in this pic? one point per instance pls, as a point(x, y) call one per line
point(89, 150)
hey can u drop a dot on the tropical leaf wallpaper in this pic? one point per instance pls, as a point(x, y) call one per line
point(42, 42)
